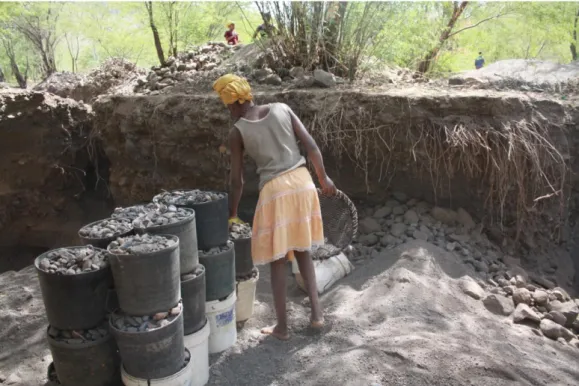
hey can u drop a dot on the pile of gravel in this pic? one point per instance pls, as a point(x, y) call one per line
point(162, 215)
point(129, 323)
point(74, 260)
point(79, 336)
point(106, 228)
point(132, 212)
point(217, 250)
point(140, 244)
point(192, 275)
point(187, 197)
point(239, 231)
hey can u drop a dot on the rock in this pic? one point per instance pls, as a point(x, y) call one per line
point(502, 282)
point(520, 281)
point(540, 297)
point(522, 295)
point(560, 294)
point(398, 229)
point(462, 217)
point(411, 217)
point(368, 240)
point(297, 72)
point(419, 235)
point(569, 309)
point(369, 225)
point(471, 288)
point(140, 244)
point(444, 215)
point(324, 79)
point(272, 80)
point(524, 312)
point(13, 379)
point(498, 304)
point(555, 331)
point(574, 342)
point(400, 196)
point(261, 74)
point(382, 212)
point(398, 210)
point(450, 247)
point(557, 317)
point(304, 82)
point(481, 266)
point(239, 231)
point(509, 289)
point(389, 240)
point(542, 281)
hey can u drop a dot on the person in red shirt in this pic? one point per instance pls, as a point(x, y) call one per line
point(231, 36)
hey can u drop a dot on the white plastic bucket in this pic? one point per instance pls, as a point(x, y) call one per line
point(245, 298)
point(198, 345)
point(221, 317)
point(181, 378)
point(328, 271)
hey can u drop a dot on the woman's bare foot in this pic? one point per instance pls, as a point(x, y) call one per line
point(317, 323)
point(276, 332)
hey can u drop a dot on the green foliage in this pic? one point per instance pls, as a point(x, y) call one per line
point(398, 33)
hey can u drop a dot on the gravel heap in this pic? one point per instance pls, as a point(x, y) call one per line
point(79, 336)
point(146, 323)
point(217, 250)
point(132, 212)
point(72, 261)
point(162, 215)
point(187, 197)
point(239, 231)
point(106, 228)
point(252, 275)
point(185, 66)
point(503, 286)
point(140, 244)
point(192, 275)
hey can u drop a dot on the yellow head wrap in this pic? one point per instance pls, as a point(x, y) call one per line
point(229, 24)
point(232, 88)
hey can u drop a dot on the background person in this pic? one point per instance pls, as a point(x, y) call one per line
point(231, 35)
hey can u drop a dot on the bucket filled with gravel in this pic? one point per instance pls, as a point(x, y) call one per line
point(132, 212)
point(85, 357)
point(193, 293)
point(172, 220)
point(151, 346)
point(219, 263)
point(101, 233)
point(146, 272)
point(240, 235)
point(74, 282)
point(211, 210)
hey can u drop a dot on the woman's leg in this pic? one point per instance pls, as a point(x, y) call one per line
point(279, 289)
point(308, 273)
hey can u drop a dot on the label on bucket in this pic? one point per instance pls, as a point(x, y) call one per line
point(224, 318)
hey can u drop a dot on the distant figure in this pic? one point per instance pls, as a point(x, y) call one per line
point(479, 62)
point(266, 29)
point(230, 35)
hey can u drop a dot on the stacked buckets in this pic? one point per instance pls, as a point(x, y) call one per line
point(194, 277)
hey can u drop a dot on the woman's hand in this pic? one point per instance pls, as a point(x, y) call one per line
point(328, 187)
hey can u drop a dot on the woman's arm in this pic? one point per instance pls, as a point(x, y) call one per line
point(314, 154)
point(236, 172)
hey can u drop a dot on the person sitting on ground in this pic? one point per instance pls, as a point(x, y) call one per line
point(287, 221)
point(479, 62)
point(231, 35)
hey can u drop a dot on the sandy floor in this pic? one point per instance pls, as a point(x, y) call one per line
point(399, 319)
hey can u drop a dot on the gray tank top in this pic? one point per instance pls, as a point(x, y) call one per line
point(271, 142)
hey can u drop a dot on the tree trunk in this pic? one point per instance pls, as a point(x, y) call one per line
point(329, 53)
point(2, 77)
point(21, 79)
point(425, 64)
point(573, 45)
point(158, 46)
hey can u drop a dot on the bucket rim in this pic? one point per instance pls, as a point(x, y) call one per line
point(196, 277)
point(106, 238)
point(159, 381)
point(227, 302)
point(180, 222)
point(254, 279)
point(161, 251)
point(116, 330)
point(192, 205)
point(41, 257)
point(228, 244)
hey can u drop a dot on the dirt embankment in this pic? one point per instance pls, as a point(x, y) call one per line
point(45, 153)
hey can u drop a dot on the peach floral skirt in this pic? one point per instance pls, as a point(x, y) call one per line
point(287, 218)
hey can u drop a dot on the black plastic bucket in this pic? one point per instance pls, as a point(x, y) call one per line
point(186, 231)
point(243, 261)
point(219, 274)
point(147, 283)
point(152, 354)
point(88, 364)
point(104, 242)
point(74, 302)
point(193, 293)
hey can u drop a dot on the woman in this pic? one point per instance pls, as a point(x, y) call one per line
point(287, 219)
point(231, 35)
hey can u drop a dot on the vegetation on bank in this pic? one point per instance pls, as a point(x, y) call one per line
point(38, 38)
